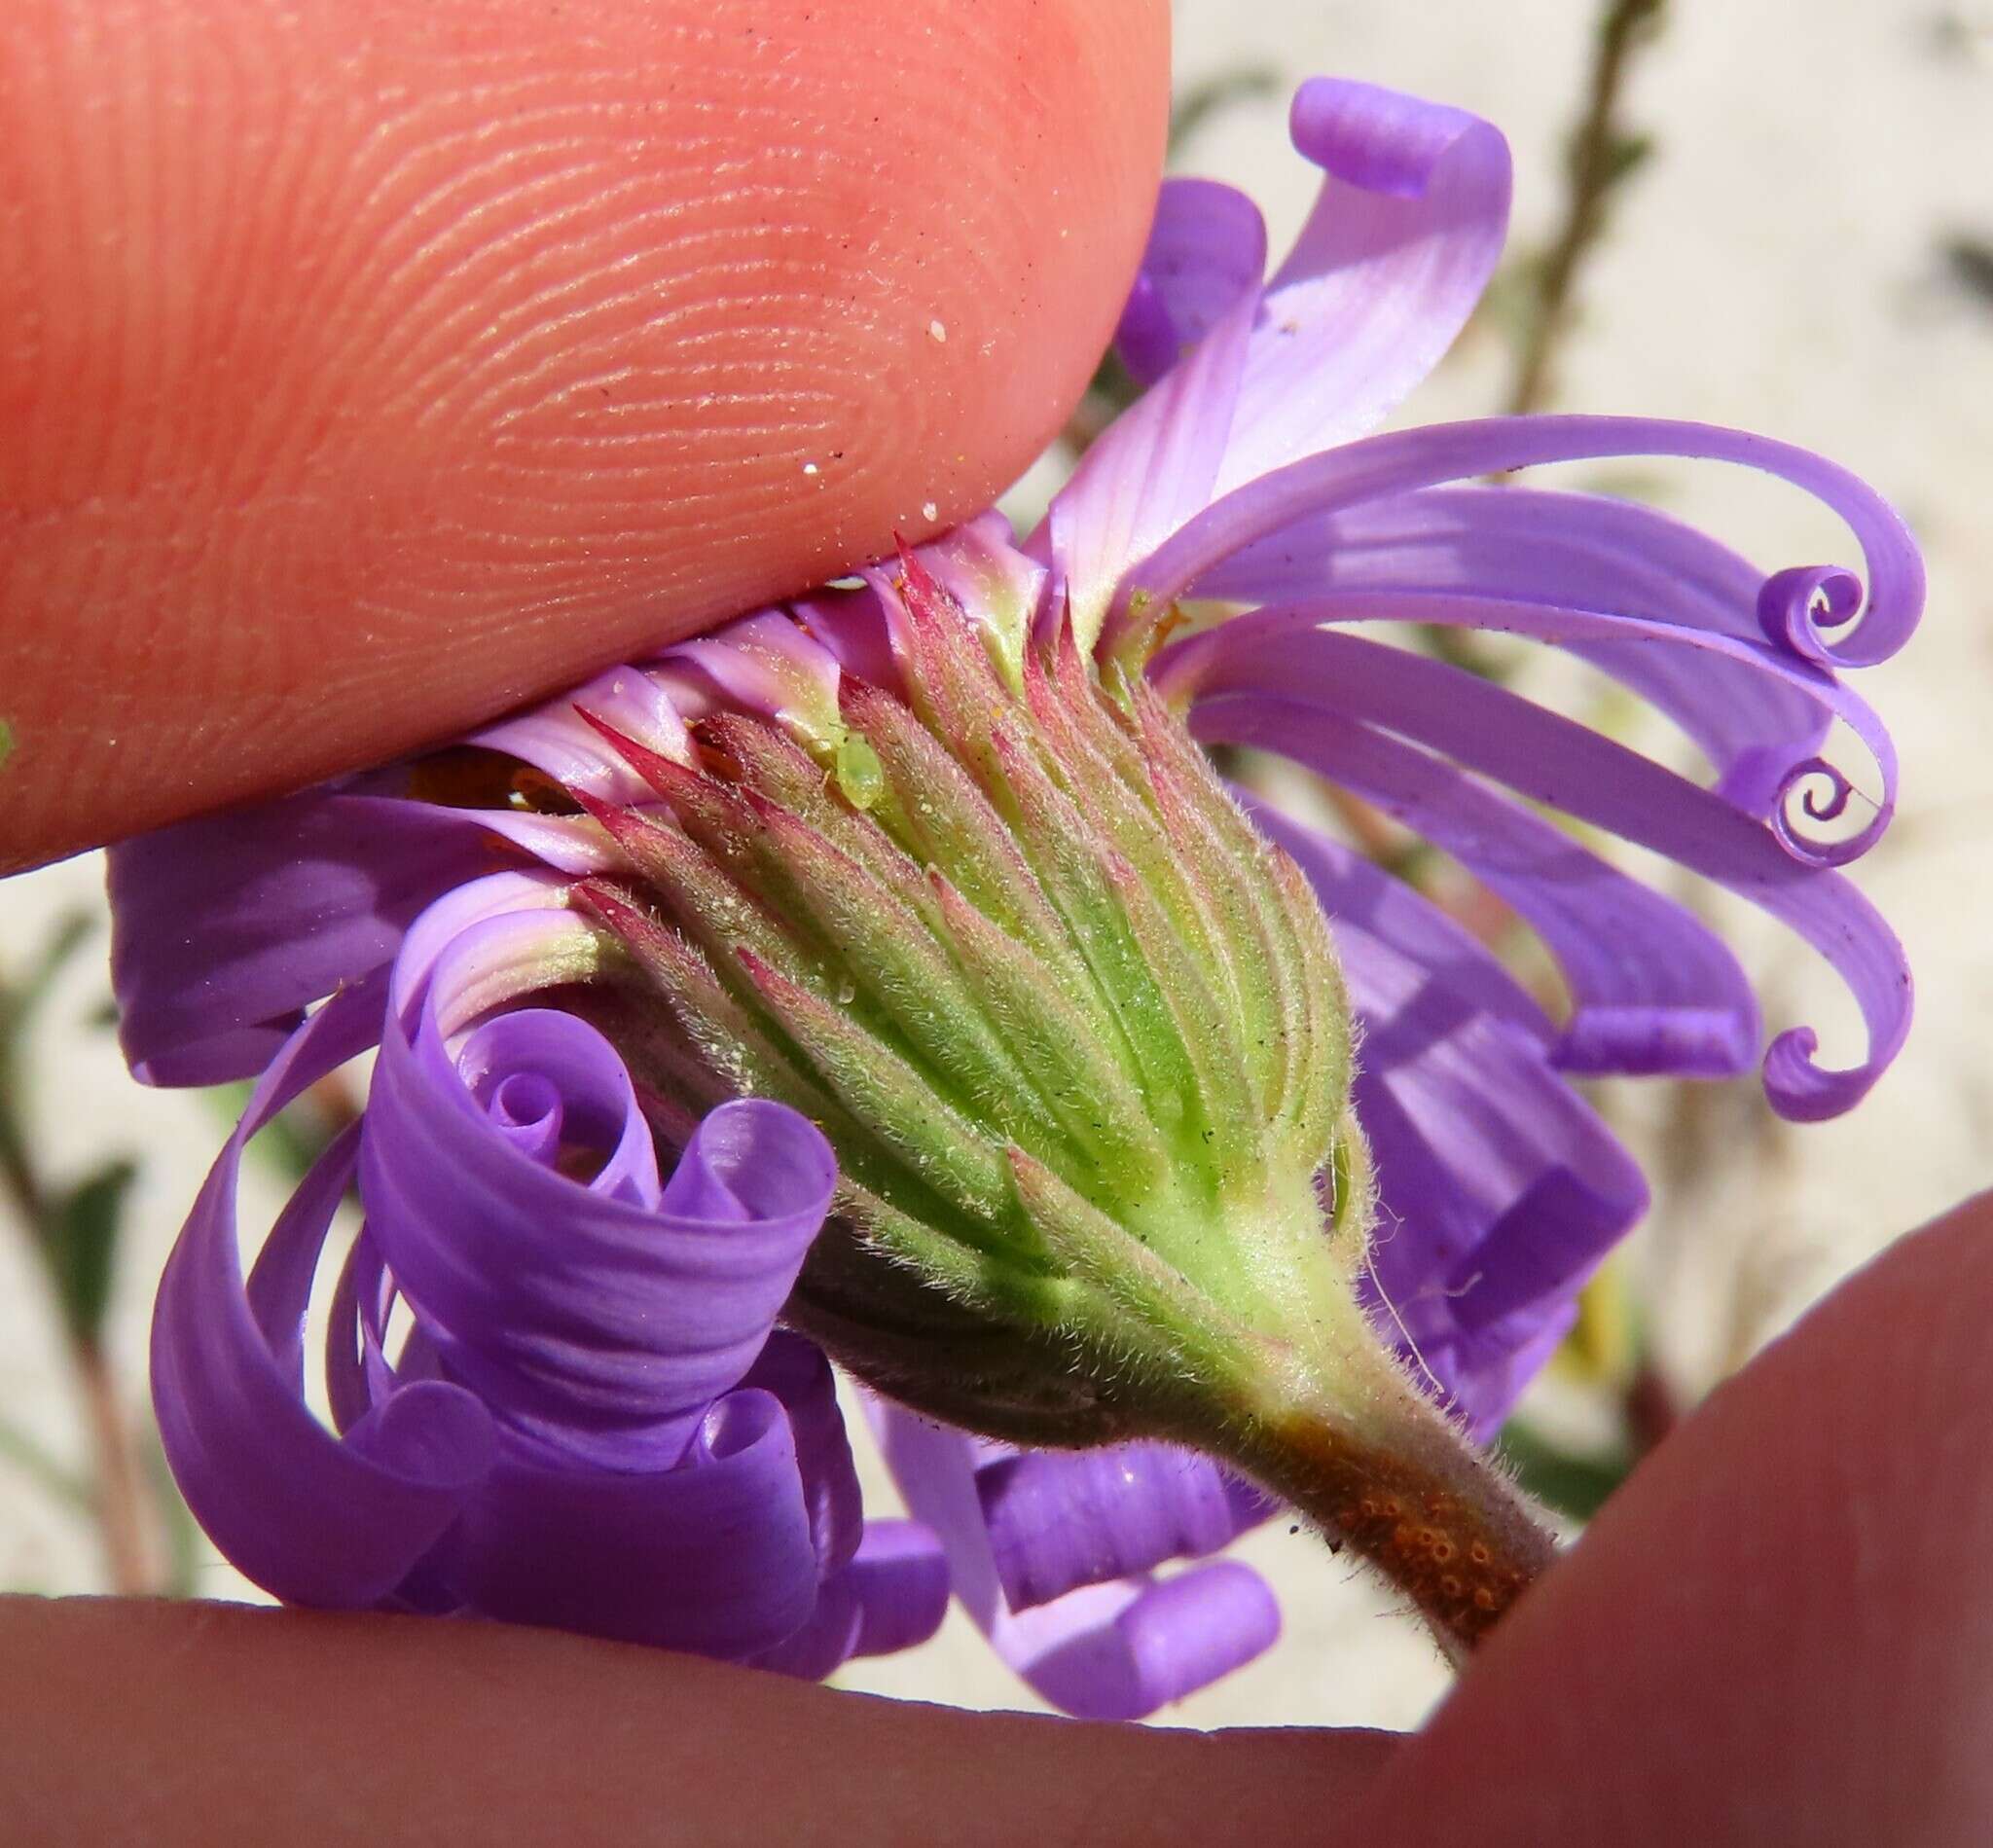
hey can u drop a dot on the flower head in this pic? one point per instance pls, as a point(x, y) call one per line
point(931, 863)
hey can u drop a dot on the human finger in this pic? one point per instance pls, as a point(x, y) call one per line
point(1779, 1631)
point(371, 368)
point(253, 1727)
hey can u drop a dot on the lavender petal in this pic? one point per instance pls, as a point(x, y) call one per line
point(1668, 612)
point(1327, 680)
point(1059, 1519)
point(554, 739)
point(713, 1555)
point(1207, 247)
point(1108, 1651)
point(225, 929)
point(798, 1373)
point(1381, 468)
point(1653, 989)
point(900, 1578)
point(316, 1519)
point(892, 1596)
point(765, 665)
point(600, 1320)
point(1151, 472)
point(1403, 237)
point(1577, 550)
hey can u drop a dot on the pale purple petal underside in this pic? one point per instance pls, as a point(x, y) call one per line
point(1403, 237)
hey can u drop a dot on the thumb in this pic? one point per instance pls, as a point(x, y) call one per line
point(370, 367)
point(1779, 1631)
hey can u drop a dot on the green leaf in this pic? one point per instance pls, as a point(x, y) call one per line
point(80, 1245)
point(1573, 1484)
point(19, 1000)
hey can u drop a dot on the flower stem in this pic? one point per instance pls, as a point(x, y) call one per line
point(1356, 1447)
point(1451, 1533)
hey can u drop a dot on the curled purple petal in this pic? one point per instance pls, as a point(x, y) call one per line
point(224, 929)
point(1104, 1651)
point(736, 1537)
point(899, 1579)
point(1403, 237)
point(799, 1374)
point(1400, 462)
point(713, 1555)
point(596, 1319)
point(1058, 1519)
point(1326, 681)
point(892, 1596)
point(1653, 989)
point(315, 1518)
point(1758, 713)
point(1798, 606)
point(1165, 1640)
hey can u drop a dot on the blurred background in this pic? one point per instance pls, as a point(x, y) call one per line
point(1769, 213)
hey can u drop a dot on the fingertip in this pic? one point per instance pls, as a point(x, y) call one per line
point(375, 369)
point(459, 1732)
point(1777, 1632)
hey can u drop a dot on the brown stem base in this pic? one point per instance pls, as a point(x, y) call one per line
point(1450, 1532)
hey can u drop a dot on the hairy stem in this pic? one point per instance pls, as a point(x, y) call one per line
point(1446, 1527)
point(1335, 1426)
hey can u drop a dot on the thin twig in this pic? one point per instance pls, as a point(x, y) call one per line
point(121, 1497)
point(1601, 155)
point(118, 1499)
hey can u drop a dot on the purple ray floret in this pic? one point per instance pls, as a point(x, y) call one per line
point(559, 1391)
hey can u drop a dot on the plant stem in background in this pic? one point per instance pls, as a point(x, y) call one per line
point(1602, 155)
point(122, 1513)
point(74, 1233)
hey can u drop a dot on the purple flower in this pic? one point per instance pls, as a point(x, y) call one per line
point(594, 1421)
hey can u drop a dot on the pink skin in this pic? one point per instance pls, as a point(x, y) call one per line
point(369, 369)
point(224, 446)
point(1776, 1635)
